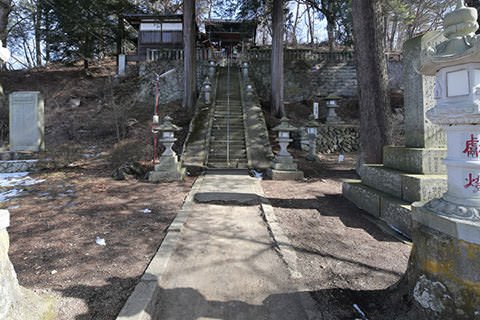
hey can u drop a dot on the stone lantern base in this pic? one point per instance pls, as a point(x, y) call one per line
point(167, 169)
point(284, 168)
point(443, 272)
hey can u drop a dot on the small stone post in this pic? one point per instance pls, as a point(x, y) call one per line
point(444, 269)
point(167, 168)
point(283, 166)
point(311, 127)
point(122, 62)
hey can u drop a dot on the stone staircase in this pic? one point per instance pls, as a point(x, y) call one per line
point(228, 110)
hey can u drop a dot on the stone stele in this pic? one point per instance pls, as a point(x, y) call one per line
point(16, 302)
point(26, 121)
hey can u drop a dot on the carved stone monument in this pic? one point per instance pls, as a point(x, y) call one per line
point(444, 269)
point(414, 172)
point(26, 121)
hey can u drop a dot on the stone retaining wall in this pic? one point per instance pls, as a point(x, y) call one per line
point(306, 79)
point(171, 87)
point(333, 138)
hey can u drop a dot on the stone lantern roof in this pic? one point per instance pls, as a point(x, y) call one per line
point(284, 126)
point(332, 96)
point(462, 46)
point(167, 125)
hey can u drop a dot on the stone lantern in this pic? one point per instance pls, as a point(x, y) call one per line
point(331, 104)
point(167, 167)
point(283, 167)
point(445, 266)
point(311, 127)
point(211, 69)
point(249, 90)
point(245, 70)
point(207, 87)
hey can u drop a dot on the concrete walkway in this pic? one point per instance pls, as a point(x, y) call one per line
point(224, 265)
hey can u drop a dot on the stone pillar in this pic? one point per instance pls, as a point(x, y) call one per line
point(444, 269)
point(122, 62)
point(17, 303)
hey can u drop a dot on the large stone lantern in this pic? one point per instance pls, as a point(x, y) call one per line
point(283, 167)
point(332, 106)
point(445, 264)
point(167, 167)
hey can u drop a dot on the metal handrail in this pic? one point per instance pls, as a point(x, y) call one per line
point(228, 110)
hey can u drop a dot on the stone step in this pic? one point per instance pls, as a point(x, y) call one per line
point(231, 164)
point(409, 187)
point(391, 210)
point(415, 160)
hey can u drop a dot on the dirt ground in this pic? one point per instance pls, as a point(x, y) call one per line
point(345, 258)
point(55, 224)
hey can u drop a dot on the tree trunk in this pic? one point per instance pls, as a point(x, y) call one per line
point(374, 99)
point(5, 8)
point(120, 35)
point(310, 25)
point(37, 25)
point(189, 82)
point(277, 59)
point(330, 33)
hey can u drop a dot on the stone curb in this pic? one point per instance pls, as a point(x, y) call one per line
point(141, 302)
point(284, 245)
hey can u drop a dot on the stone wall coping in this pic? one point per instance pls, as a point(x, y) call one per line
point(4, 219)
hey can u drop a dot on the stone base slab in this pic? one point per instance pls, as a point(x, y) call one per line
point(166, 176)
point(443, 269)
point(415, 160)
point(408, 187)
point(393, 211)
point(284, 175)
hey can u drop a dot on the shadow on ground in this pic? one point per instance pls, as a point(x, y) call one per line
point(190, 304)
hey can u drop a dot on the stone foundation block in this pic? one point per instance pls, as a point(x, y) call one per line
point(378, 177)
point(397, 213)
point(408, 187)
point(362, 196)
point(417, 187)
point(380, 205)
point(415, 160)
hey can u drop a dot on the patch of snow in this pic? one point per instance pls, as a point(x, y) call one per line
point(100, 241)
point(13, 207)
point(364, 316)
point(6, 195)
point(146, 211)
point(17, 179)
point(19, 161)
point(341, 158)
